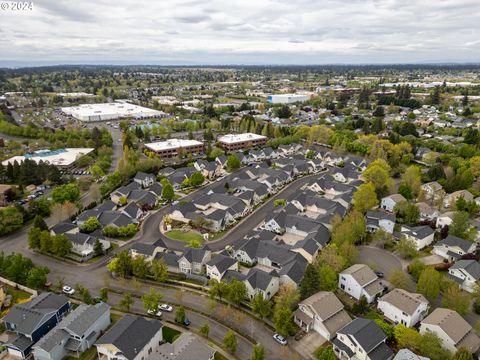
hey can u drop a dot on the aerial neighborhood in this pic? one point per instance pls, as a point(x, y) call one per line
point(191, 214)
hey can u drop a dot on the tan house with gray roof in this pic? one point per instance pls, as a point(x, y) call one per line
point(452, 329)
point(402, 307)
point(323, 313)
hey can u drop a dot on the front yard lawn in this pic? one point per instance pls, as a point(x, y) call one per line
point(185, 236)
point(169, 334)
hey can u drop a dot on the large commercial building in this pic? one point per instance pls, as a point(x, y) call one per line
point(233, 142)
point(61, 158)
point(287, 98)
point(111, 111)
point(172, 147)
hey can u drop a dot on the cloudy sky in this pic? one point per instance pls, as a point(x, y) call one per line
point(241, 32)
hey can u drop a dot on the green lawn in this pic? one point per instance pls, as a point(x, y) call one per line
point(185, 236)
point(87, 355)
point(169, 333)
point(219, 356)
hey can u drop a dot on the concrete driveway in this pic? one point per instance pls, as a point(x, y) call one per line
point(309, 344)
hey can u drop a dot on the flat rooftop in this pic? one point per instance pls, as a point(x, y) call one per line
point(236, 138)
point(172, 144)
point(115, 109)
point(59, 157)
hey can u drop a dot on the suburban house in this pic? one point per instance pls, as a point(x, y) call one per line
point(259, 281)
point(451, 199)
point(144, 179)
point(427, 212)
point(380, 219)
point(453, 248)
point(148, 250)
point(444, 219)
point(362, 339)
point(406, 354)
point(30, 321)
point(323, 313)
point(359, 280)
point(220, 264)
point(422, 236)
point(433, 191)
point(388, 203)
point(131, 338)
point(466, 273)
point(452, 329)
point(402, 307)
point(193, 260)
point(76, 333)
point(187, 346)
point(83, 245)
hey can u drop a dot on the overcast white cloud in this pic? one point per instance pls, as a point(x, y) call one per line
point(242, 31)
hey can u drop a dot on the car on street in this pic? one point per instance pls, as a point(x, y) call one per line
point(166, 307)
point(68, 290)
point(154, 313)
point(185, 322)
point(280, 339)
point(379, 274)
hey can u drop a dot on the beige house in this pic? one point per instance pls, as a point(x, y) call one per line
point(452, 329)
point(323, 313)
point(359, 280)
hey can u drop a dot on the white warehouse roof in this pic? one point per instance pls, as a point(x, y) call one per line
point(236, 138)
point(172, 144)
point(110, 111)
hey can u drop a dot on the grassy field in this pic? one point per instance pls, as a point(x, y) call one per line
point(184, 236)
point(169, 334)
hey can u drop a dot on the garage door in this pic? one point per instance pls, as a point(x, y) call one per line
point(16, 353)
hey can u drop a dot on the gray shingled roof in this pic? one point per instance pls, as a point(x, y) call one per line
point(452, 241)
point(130, 334)
point(365, 332)
point(472, 267)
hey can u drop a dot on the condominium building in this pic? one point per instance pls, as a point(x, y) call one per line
point(173, 147)
point(232, 142)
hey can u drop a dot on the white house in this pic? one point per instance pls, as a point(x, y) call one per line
point(193, 260)
point(220, 264)
point(445, 219)
point(402, 307)
point(362, 339)
point(359, 280)
point(433, 191)
point(466, 273)
point(380, 220)
point(259, 281)
point(323, 313)
point(144, 179)
point(452, 329)
point(453, 248)
point(388, 203)
point(422, 236)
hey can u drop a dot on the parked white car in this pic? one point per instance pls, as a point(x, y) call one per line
point(166, 307)
point(68, 290)
point(280, 339)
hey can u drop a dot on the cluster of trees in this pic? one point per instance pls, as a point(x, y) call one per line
point(42, 240)
point(20, 269)
point(195, 180)
point(103, 163)
point(67, 192)
point(14, 216)
point(70, 137)
point(121, 231)
point(29, 172)
point(234, 291)
point(124, 265)
point(233, 162)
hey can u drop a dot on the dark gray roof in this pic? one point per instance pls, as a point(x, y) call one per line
point(63, 227)
point(295, 269)
point(144, 176)
point(365, 332)
point(131, 210)
point(130, 334)
point(222, 262)
point(452, 241)
point(107, 205)
point(77, 322)
point(259, 279)
point(380, 215)
point(170, 258)
point(195, 255)
point(472, 267)
point(143, 249)
point(156, 189)
point(28, 316)
point(81, 239)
